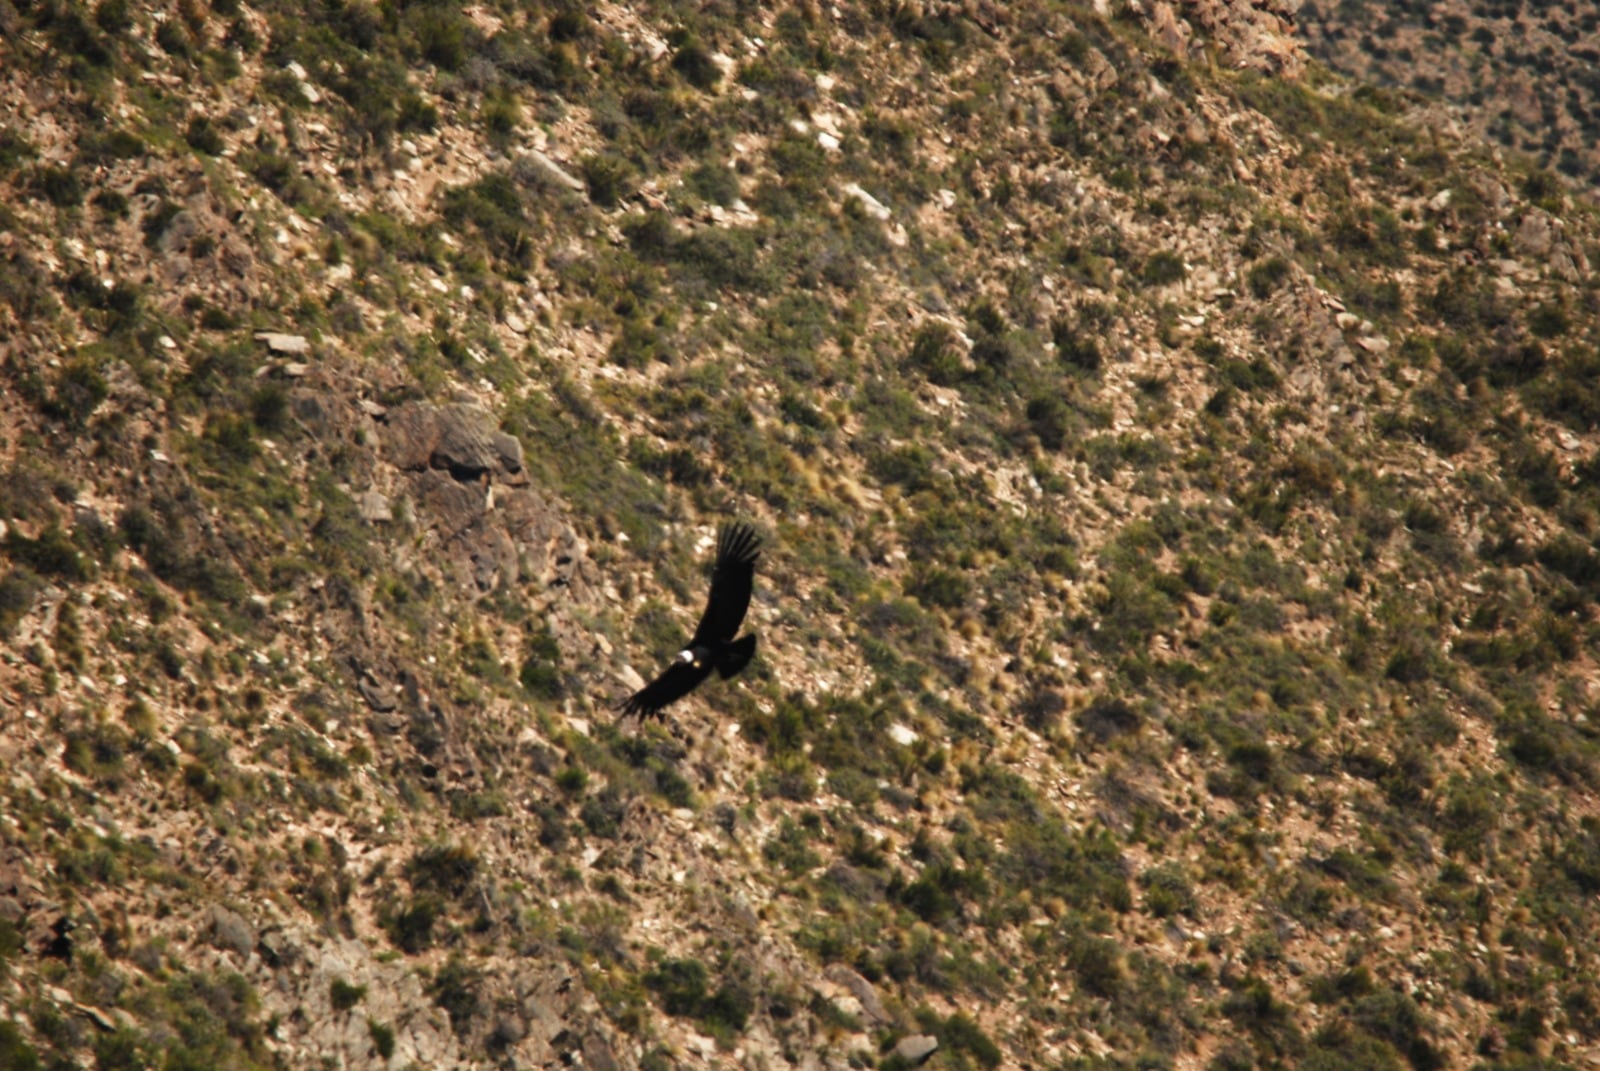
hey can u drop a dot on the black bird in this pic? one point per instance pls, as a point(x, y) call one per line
point(713, 646)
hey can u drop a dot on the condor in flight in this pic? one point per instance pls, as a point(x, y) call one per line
point(713, 646)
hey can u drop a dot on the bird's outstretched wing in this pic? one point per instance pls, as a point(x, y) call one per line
point(738, 547)
point(677, 681)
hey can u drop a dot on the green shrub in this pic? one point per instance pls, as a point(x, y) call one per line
point(1337, 1046)
point(113, 16)
point(1548, 320)
point(1254, 1008)
point(1168, 891)
point(693, 61)
point(345, 995)
point(174, 39)
point(683, 987)
point(382, 1038)
point(680, 984)
point(936, 586)
point(1257, 374)
point(52, 553)
point(61, 186)
point(102, 147)
point(1266, 276)
point(448, 869)
point(937, 893)
point(440, 34)
point(123, 1050)
point(14, 149)
point(1098, 964)
point(457, 987)
point(714, 182)
point(572, 780)
point(231, 438)
point(17, 590)
point(541, 667)
point(500, 116)
point(411, 929)
point(790, 848)
point(492, 207)
point(602, 814)
point(960, 1034)
point(726, 257)
point(1393, 1017)
point(1543, 188)
point(1163, 268)
point(112, 204)
point(935, 354)
point(1076, 345)
point(609, 178)
point(1108, 717)
point(96, 751)
point(1470, 813)
point(203, 136)
point(1049, 419)
point(909, 466)
point(74, 37)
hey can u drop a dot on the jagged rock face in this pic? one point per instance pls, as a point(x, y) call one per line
point(1248, 34)
point(463, 440)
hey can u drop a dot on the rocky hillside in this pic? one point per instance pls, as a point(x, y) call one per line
point(1179, 485)
point(1524, 75)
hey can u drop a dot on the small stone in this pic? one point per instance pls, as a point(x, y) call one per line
point(556, 172)
point(282, 343)
point(848, 1005)
point(862, 990)
point(916, 1048)
point(374, 507)
point(509, 450)
point(870, 204)
point(598, 1054)
point(230, 932)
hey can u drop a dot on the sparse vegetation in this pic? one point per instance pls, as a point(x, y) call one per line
point(1174, 634)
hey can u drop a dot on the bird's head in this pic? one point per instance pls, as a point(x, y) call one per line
point(687, 657)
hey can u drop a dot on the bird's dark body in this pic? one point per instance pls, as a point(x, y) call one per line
point(716, 645)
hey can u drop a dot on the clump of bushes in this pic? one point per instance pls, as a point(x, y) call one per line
point(684, 988)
